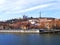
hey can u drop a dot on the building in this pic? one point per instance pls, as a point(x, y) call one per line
point(31, 23)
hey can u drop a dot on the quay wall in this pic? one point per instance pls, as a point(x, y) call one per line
point(21, 31)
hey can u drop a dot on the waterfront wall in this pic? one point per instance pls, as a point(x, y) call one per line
point(21, 31)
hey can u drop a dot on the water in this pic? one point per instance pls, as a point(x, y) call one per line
point(29, 39)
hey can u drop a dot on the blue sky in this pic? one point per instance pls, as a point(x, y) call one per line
point(10, 9)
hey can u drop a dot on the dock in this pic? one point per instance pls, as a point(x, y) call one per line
point(49, 31)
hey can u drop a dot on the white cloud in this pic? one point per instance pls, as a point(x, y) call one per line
point(36, 7)
point(20, 6)
point(28, 9)
point(2, 1)
point(17, 6)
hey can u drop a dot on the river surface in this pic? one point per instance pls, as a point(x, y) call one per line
point(29, 39)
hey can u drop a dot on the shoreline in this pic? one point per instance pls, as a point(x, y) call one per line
point(31, 31)
point(19, 31)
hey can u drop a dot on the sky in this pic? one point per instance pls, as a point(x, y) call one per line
point(10, 9)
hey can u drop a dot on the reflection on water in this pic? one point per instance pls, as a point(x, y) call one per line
point(29, 39)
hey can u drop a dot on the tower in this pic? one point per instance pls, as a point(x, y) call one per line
point(40, 14)
point(24, 17)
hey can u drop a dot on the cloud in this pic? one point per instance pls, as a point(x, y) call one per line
point(36, 7)
point(2, 1)
point(11, 7)
point(43, 6)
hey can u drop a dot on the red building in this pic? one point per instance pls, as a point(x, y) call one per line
point(31, 23)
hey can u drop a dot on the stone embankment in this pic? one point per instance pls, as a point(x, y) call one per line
point(21, 31)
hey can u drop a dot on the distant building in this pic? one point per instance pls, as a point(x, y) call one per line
point(31, 23)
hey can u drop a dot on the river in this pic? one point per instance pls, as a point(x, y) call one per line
point(29, 39)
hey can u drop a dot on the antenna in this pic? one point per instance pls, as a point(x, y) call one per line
point(40, 14)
